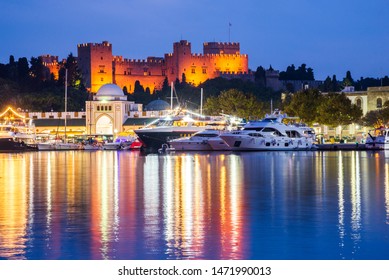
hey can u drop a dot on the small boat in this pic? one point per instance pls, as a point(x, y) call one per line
point(197, 142)
point(378, 142)
point(111, 146)
point(165, 149)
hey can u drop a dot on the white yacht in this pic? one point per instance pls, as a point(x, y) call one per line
point(378, 142)
point(197, 142)
point(271, 134)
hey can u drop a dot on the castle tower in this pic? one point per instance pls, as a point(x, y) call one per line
point(95, 63)
point(221, 48)
point(179, 60)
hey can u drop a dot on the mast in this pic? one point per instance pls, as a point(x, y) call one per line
point(66, 98)
point(171, 97)
point(201, 102)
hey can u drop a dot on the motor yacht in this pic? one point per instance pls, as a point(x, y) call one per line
point(271, 134)
point(197, 142)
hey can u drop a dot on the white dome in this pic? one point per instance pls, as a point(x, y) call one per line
point(110, 90)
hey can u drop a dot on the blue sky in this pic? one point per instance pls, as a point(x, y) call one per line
point(331, 36)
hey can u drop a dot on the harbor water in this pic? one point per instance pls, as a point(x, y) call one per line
point(217, 205)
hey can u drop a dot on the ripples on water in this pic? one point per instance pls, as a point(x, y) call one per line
point(259, 205)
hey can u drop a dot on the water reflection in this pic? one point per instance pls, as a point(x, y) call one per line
point(124, 205)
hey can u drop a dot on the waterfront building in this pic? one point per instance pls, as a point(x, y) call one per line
point(108, 110)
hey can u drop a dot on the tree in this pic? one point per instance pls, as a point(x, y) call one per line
point(348, 80)
point(304, 104)
point(327, 85)
point(234, 102)
point(376, 118)
point(260, 76)
point(336, 109)
point(335, 84)
point(165, 85)
point(302, 73)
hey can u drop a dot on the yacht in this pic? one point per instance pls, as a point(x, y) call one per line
point(164, 130)
point(16, 133)
point(378, 142)
point(197, 142)
point(271, 134)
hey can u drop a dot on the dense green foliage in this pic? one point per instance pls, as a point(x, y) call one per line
point(28, 85)
point(236, 103)
point(336, 109)
point(332, 109)
point(304, 104)
point(376, 118)
point(301, 73)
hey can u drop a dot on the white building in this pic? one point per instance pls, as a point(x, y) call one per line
point(109, 110)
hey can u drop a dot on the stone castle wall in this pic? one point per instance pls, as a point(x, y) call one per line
point(99, 66)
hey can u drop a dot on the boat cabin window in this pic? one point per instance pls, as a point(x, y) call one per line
point(164, 123)
point(293, 134)
point(255, 134)
point(207, 134)
point(253, 128)
point(272, 130)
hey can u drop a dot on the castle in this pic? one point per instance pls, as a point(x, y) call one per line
point(99, 66)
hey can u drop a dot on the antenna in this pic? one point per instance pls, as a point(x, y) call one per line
point(66, 98)
point(229, 32)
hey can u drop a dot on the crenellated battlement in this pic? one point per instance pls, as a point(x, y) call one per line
point(221, 44)
point(95, 45)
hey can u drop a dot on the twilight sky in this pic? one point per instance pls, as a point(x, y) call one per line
point(330, 36)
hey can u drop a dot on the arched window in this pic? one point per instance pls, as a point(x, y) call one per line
point(379, 103)
point(359, 103)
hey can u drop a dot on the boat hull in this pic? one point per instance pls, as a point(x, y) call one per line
point(10, 145)
point(58, 146)
point(155, 139)
point(246, 143)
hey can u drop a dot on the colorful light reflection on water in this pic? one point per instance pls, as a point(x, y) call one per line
point(125, 205)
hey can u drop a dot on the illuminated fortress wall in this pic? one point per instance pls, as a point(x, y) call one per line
point(149, 72)
point(52, 66)
point(99, 66)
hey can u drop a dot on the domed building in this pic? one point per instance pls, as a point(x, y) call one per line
point(108, 111)
point(157, 105)
point(110, 92)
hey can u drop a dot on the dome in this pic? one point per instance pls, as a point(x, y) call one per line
point(157, 105)
point(110, 90)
